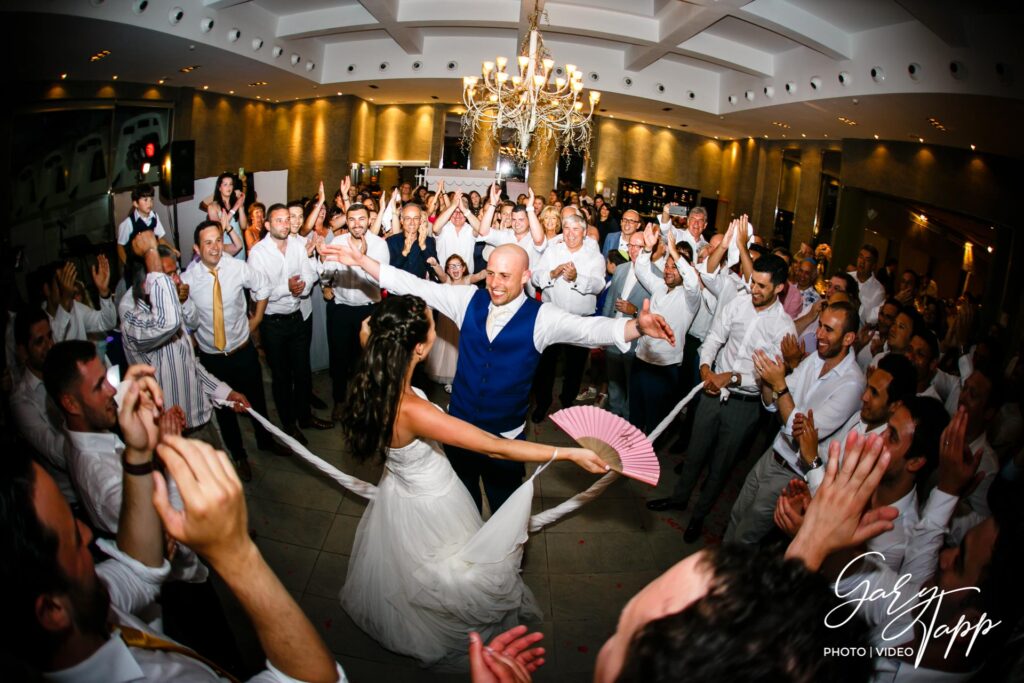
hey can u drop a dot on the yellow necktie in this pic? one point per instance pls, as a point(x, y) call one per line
point(146, 641)
point(220, 337)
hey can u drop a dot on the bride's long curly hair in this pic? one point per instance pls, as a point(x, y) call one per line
point(397, 325)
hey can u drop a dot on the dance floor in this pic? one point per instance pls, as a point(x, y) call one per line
point(583, 569)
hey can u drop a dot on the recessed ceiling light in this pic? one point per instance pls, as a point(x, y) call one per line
point(716, 137)
point(231, 92)
point(63, 77)
point(114, 77)
point(973, 147)
point(257, 84)
point(206, 87)
point(102, 54)
point(990, 250)
point(160, 82)
point(826, 134)
point(876, 136)
point(371, 99)
point(920, 139)
point(803, 135)
point(188, 69)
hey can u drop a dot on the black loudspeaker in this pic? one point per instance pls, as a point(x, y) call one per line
point(178, 169)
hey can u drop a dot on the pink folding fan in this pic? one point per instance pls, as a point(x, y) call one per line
point(624, 447)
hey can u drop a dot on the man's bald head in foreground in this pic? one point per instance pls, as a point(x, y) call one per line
point(508, 271)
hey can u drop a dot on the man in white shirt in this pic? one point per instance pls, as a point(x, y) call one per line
point(218, 313)
point(570, 277)
point(806, 274)
point(979, 400)
point(619, 241)
point(72, 319)
point(656, 374)
point(153, 331)
point(355, 296)
point(625, 298)
point(875, 340)
point(696, 223)
point(67, 619)
point(281, 258)
point(830, 382)
point(872, 293)
point(502, 335)
point(455, 230)
point(730, 409)
point(37, 418)
point(526, 230)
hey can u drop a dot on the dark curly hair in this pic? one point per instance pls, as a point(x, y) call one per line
point(397, 325)
point(762, 619)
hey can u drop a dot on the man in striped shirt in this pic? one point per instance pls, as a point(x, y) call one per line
point(152, 325)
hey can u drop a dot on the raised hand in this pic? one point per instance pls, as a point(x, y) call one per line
point(791, 350)
point(172, 421)
point(143, 242)
point(651, 236)
point(214, 521)
point(138, 414)
point(957, 465)
point(653, 325)
point(345, 185)
point(101, 276)
point(529, 196)
point(321, 196)
point(457, 198)
point(836, 517)
point(495, 194)
point(742, 231)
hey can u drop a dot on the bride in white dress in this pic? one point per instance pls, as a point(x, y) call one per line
point(425, 569)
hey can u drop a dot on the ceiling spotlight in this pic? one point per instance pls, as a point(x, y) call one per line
point(114, 77)
point(920, 140)
point(63, 77)
point(876, 136)
point(990, 250)
point(99, 55)
point(339, 93)
point(188, 69)
point(160, 82)
point(973, 147)
point(231, 92)
point(206, 87)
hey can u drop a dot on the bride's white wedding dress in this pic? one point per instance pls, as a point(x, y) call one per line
point(425, 570)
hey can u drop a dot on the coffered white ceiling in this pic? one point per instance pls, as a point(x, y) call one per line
point(717, 67)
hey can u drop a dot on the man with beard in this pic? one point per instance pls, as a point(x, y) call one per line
point(68, 619)
point(729, 414)
point(829, 381)
point(502, 334)
point(355, 296)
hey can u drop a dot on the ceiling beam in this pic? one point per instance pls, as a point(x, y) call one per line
point(730, 54)
point(222, 4)
point(325, 22)
point(941, 18)
point(386, 13)
point(798, 25)
point(677, 23)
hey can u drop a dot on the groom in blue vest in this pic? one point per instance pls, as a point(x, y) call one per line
point(502, 336)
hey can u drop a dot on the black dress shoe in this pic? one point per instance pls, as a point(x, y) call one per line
point(317, 402)
point(662, 504)
point(693, 530)
point(314, 422)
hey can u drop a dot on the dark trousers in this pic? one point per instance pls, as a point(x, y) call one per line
point(343, 323)
point(501, 477)
point(286, 343)
point(193, 616)
point(653, 391)
point(720, 431)
point(241, 371)
point(691, 364)
point(544, 379)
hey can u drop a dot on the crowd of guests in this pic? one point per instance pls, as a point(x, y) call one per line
point(895, 433)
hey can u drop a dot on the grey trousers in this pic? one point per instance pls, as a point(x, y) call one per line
point(618, 366)
point(719, 431)
point(208, 433)
point(752, 514)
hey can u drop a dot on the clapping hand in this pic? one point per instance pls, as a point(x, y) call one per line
point(791, 506)
point(296, 285)
point(496, 194)
point(172, 421)
point(792, 352)
point(771, 370)
point(139, 410)
point(651, 237)
point(509, 658)
point(836, 518)
point(345, 185)
point(569, 271)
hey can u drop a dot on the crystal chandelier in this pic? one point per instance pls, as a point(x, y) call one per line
point(529, 103)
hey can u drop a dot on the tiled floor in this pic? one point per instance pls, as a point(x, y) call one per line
point(583, 569)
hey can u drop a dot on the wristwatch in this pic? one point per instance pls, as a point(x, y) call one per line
point(815, 464)
point(734, 379)
point(776, 395)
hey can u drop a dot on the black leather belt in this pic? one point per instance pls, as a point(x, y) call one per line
point(785, 464)
point(282, 316)
point(735, 395)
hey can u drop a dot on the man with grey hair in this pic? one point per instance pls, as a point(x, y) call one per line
point(618, 241)
point(569, 276)
point(696, 223)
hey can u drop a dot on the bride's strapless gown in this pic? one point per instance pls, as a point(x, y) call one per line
point(425, 569)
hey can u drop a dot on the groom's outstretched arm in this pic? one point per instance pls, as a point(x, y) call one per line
point(451, 300)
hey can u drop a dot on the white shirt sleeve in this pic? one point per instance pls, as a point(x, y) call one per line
point(555, 326)
point(132, 585)
point(152, 327)
point(451, 301)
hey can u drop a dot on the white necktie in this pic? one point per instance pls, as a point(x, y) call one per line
point(496, 319)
